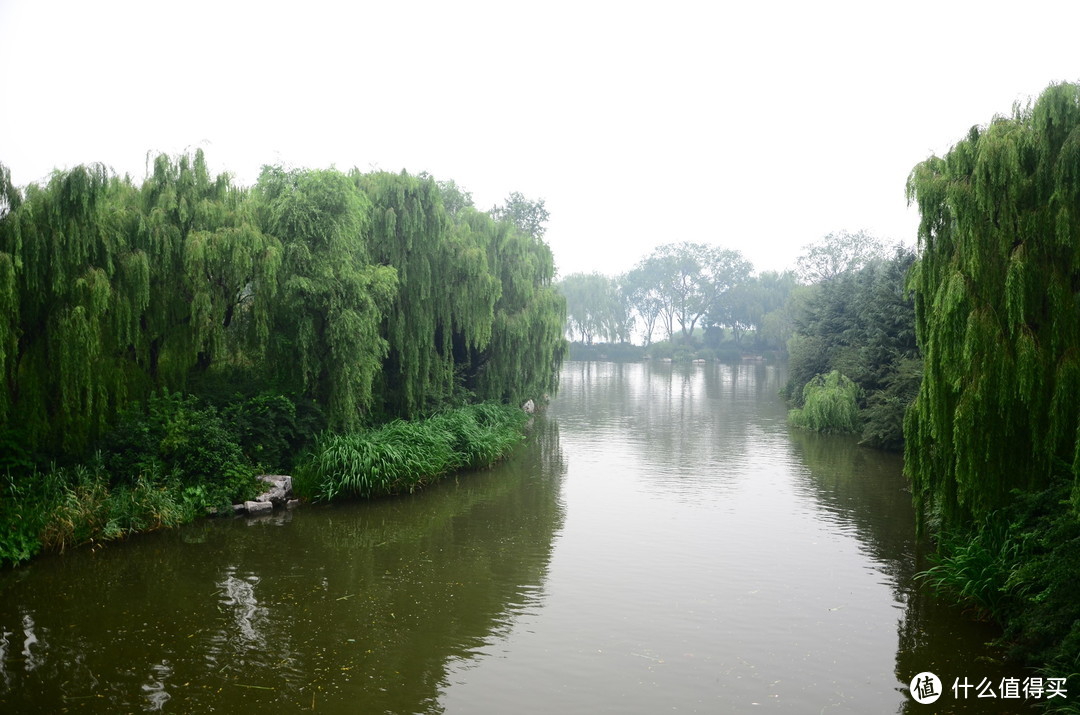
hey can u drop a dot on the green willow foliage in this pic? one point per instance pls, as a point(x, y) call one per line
point(111, 291)
point(996, 299)
point(447, 291)
point(830, 404)
point(359, 292)
point(326, 339)
point(527, 345)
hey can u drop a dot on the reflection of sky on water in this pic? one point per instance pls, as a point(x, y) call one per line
point(5, 644)
point(154, 688)
point(33, 651)
point(238, 598)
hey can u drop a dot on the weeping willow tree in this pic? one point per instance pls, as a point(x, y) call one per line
point(361, 292)
point(997, 301)
point(527, 344)
point(444, 304)
point(214, 272)
point(10, 198)
point(63, 247)
point(110, 291)
point(326, 340)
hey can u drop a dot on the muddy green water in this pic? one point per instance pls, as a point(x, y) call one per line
point(663, 543)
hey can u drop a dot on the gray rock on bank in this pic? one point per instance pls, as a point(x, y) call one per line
point(280, 490)
point(254, 508)
point(279, 494)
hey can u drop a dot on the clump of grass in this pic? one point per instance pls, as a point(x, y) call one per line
point(1020, 568)
point(90, 508)
point(402, 456)
point(64, 507)
point(976, 570)
point(830, 404)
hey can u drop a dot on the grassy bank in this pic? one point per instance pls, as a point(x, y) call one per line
point(1020, 569)
point(402, 456)
point(176, 459)
point(66, 507)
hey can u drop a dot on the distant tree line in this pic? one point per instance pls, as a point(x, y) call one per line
point(681, 291)
point(845, 309)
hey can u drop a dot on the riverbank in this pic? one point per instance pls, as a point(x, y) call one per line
point(1020, 570)
point(69, 506)
point(404, 456)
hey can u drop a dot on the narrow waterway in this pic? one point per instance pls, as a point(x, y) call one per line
point(664, 542)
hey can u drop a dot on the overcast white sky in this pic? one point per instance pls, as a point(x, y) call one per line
point(759, 126)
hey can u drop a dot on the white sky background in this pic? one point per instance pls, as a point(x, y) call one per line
point(755, 126)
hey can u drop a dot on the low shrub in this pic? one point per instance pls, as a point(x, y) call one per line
point(26, 501)
point(265, 428)
point(830, 404)
point(60, 508)
point(179, 435)
point(974, 570)
point(403, 456)
point(707, 354)
point(728, 355)
point(682, 353)
point(612, 352)
point(662, 350)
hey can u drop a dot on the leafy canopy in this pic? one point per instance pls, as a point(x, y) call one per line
point(997, 287)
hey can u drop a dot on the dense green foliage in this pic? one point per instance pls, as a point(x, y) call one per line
point(830, 404)
point(360, 292)
point(1019, 567)
point(191, 331)
point(329, 303)
point(996, 291)
point(522, 359)
point(400, 456)
point(111, 291)
point(163, 462)
point(60, 508)
point(993, 438)
point(861, 323)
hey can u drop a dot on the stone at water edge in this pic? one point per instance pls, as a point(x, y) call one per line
point(529, 407)
point(279, 494)
point(255, 508)
point(280, 489)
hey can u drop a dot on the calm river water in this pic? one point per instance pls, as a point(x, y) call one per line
point(663, 543)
